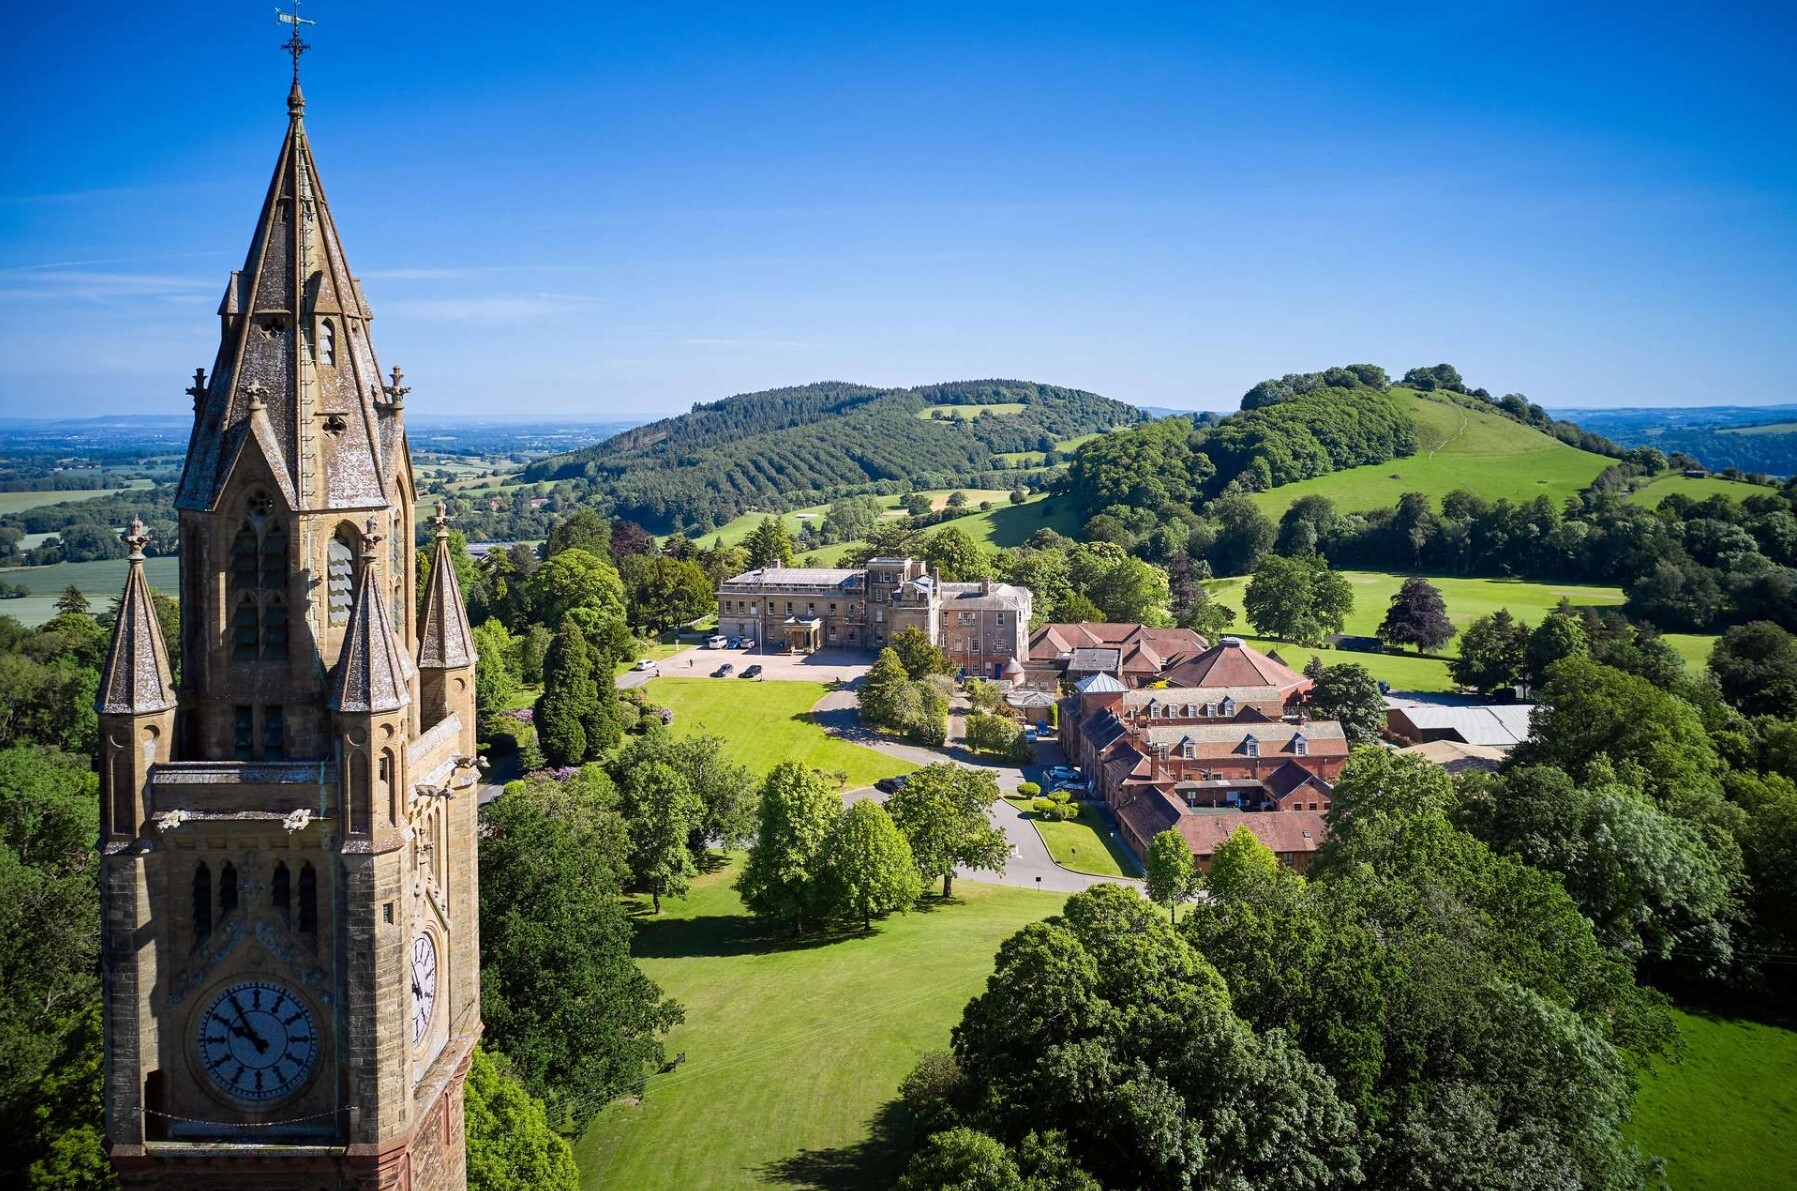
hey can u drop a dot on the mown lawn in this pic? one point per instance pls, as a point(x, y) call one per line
point(795, 1049)
point(1082, 844)
point(1466, 599)
point(765, 723)
point(1725, 1115)
point(1457, 447)
point(98, 581)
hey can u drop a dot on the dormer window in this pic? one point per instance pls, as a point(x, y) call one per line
point(1250, 746)
point(1228, 707)
point(1300, 746)
point(1188, 749)
point(1210, 709)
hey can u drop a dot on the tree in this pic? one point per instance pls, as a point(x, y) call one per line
point(784, 876)
point(495, 675)
point(511, 1146)
point(570, 698)
point(918, 655)
point(559, 991)
point(576, 579)
point(769, 544)
point(583, 529)
point(1559, 635)
point(984, 695)
point(962, 1159)
point(917, 504)
point(1241, 866)
point(725, 790)
point(1191, 602)
point(1493, 653)
point(660, 811)
point(997, 735)
point(1350, 695)
point(664, 593)
point(871, 871)
point(1172, 877)
point(1125, 589)
point(881, 689)
point(1756, 667)
point(943, 812)
point(71, 602)
point(954, 556)
point(1418, 616)
point(1297, 599)
point(1244, 534)
point(956, 500)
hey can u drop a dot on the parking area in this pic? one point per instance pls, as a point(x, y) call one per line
point(826, 665)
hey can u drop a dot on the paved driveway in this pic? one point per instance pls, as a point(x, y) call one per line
point(826, 665)
point(1030, 865)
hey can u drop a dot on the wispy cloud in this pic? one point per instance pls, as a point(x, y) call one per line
point(61, 281)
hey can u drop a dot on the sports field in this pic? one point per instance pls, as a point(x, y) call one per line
point(764, 723)
point(1457, 447)
point(1724, 1116)
point(794, 1049)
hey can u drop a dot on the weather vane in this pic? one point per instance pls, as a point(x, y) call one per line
point(294, 45)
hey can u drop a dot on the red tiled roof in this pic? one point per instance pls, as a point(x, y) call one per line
point(1229, 663)
point(1285, 832)
point(1052, 640)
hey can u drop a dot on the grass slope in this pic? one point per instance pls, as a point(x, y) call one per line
point(98, 581)
point(1725, 1116)
point(794, 1050)
point(1662, 486)
point(1466, 599)
point(1457, 447)
point(764, 723)
point(1081, 844)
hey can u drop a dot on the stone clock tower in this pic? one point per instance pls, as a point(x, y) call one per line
point(290, 884)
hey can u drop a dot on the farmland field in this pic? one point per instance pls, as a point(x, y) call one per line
point(1457, 447)
point(98, 581)
point(794, 1051)
point(1670, 483)
point(19, 502)
point(967, 413)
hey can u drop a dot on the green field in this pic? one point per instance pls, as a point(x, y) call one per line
point(1081, 844)
point(1466, 599)
point(98, 581)
point(19, 502)
point(968, 413)
point(764, 723)
point(794, 1052)
point(1725, 1115)
point(1771, 428)
point(1457, 447)
point(1670, 483)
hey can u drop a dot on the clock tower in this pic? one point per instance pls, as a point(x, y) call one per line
point(289, 871)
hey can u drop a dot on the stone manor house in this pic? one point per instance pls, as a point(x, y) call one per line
point(983, 626)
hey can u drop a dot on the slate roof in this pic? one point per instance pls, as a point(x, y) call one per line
point(444, 640)
point(987, 597)
point(372, 673)
point(815, 577)
point(1323, 738)
point(1099, 684)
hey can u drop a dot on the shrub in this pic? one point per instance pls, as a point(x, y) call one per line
point(1028, 790)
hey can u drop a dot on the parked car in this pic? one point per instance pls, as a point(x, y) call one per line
point(724, 671)
point(735, 642)
point(715, 642)
point(646, 666)
point(1072, 787)
point(890, 785)
point(749, 643)
point(1064, 773)
point(752, 672)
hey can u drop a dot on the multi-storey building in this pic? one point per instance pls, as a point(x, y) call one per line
point(288, 865)
point(983, 626)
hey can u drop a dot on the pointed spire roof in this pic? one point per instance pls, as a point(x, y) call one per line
point(137, 679)
point(373, 673)
point(296, 368)
point(444, 642)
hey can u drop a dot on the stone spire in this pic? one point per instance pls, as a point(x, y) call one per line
point(137, 679)
point(295, 342)
point(373, 673)
point(444, 642)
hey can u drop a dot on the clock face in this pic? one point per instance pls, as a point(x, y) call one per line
point(257, 1041)
point(424, 985)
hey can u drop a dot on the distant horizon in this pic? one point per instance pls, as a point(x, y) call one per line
point(601, 207)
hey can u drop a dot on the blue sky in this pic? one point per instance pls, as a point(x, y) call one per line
point(609, 211)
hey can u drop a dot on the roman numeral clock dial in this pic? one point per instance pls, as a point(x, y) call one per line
point(257, 1041)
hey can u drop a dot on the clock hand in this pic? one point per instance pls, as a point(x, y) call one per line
point(248, 1030)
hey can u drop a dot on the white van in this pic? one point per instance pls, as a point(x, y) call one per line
point(716, 642)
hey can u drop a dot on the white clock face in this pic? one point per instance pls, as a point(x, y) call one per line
point(257, 1041)
point(424, 985)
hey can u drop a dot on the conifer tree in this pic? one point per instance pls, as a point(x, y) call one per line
point(570, 698)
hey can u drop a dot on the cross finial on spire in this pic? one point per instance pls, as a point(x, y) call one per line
point(441, 521)
point(137, 537)
point(294, 45)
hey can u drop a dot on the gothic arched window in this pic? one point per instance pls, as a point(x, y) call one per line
point(227, 889)
point(308, 899)
point(280, 889)
point(243, 557)
point(274, 558)
point(243, 630)
point(202, 902)
point(341, 576)
point(327, 343)
point(274, 630)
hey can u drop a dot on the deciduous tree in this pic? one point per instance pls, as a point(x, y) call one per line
point(1172, 877)
point(660, 811)
point(1349, 694)
point(871, 871)
point(783, 878)
point(1418, 616)
point(943, 812)
point(1297, 599)
point(511, 1146)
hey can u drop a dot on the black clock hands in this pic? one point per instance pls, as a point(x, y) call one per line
point(247, 1031)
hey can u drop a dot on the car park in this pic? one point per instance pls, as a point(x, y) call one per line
point(724, 671)
point(752, 672)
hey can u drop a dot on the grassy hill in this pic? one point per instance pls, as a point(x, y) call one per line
point(787, 449)
point(1457, 447)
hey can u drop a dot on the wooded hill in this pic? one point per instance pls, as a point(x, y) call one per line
point(788, 448)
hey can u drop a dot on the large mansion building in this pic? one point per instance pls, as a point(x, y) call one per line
point(982, 626)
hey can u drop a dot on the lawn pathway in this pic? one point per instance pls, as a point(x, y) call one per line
point(1030, 865)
